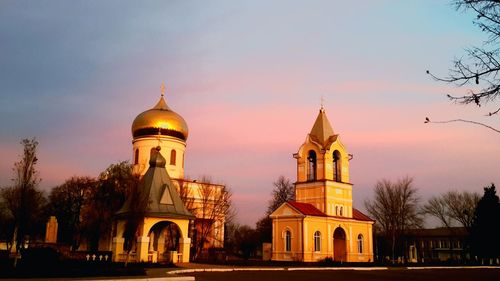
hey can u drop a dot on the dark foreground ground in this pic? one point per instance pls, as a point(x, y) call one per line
point(351, 275)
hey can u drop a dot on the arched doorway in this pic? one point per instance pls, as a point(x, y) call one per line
point(164, 241)
point(339, 245)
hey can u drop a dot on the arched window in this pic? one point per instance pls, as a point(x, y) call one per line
point(136, 156)
point(311, 167)
point(341, 211)
point(336, 210)
point(360, 243)
point(173, 154)
point(288, 241)
point(337, 166)
point(317, 241)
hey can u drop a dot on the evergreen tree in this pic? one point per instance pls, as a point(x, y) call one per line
point(486, 226)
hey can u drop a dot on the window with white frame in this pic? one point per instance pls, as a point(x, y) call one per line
point(360, 243)
point(317, 241)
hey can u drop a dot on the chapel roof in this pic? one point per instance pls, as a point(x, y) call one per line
point(156, 187)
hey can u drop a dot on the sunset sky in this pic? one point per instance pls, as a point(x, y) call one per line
point(248, 77)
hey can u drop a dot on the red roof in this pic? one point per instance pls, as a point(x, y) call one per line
point(306, 209)
point(309, 210)
point(357, 215)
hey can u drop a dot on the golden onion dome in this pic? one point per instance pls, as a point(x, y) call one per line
point(160, 120)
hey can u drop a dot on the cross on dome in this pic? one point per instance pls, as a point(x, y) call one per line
point(162, 89)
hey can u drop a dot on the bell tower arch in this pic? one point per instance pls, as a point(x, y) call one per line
point(323, 170)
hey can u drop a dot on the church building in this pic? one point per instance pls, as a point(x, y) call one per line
point(322, 222)
point(181, 216)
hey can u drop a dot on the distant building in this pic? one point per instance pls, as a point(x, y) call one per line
point(322, 222)
point(436, 244)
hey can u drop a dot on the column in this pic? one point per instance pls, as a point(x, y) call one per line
point(117, 248)
point(142, 248)
point(184, 245)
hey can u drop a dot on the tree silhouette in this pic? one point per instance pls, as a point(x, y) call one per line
point(486, 226)
point(480, 66)
point(395, 209)
point(283, 191)
point(212, 209)
point(103, 201)
point(138, 203)
point(453, 208)
point(66, 202)
point(23, 200)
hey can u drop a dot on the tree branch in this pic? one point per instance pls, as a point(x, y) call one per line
point(427, 120)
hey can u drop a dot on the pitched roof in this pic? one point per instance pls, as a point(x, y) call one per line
point(309, 210)
point(322, 129)
point(306, 209)
point(357, 215)
point(161, 196)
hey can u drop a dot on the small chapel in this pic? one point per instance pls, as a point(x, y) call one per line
point(181, 215)
point(321, 222)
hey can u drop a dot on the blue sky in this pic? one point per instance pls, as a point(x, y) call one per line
point(247, 76)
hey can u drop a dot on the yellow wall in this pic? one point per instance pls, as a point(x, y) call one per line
point(324, 160)
point(303, 229)
point(145, 238)
point(145, 144)
point(333, 197)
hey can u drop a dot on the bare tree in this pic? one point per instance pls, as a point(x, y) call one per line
point(284, 190)
point(213, 208)
point(186, 194)
point(23, 200)
point(137, 205)
point(395, 209)
point(480, 66)
point(453, 208)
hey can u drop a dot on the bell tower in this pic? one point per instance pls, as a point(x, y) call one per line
point(323, 170)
